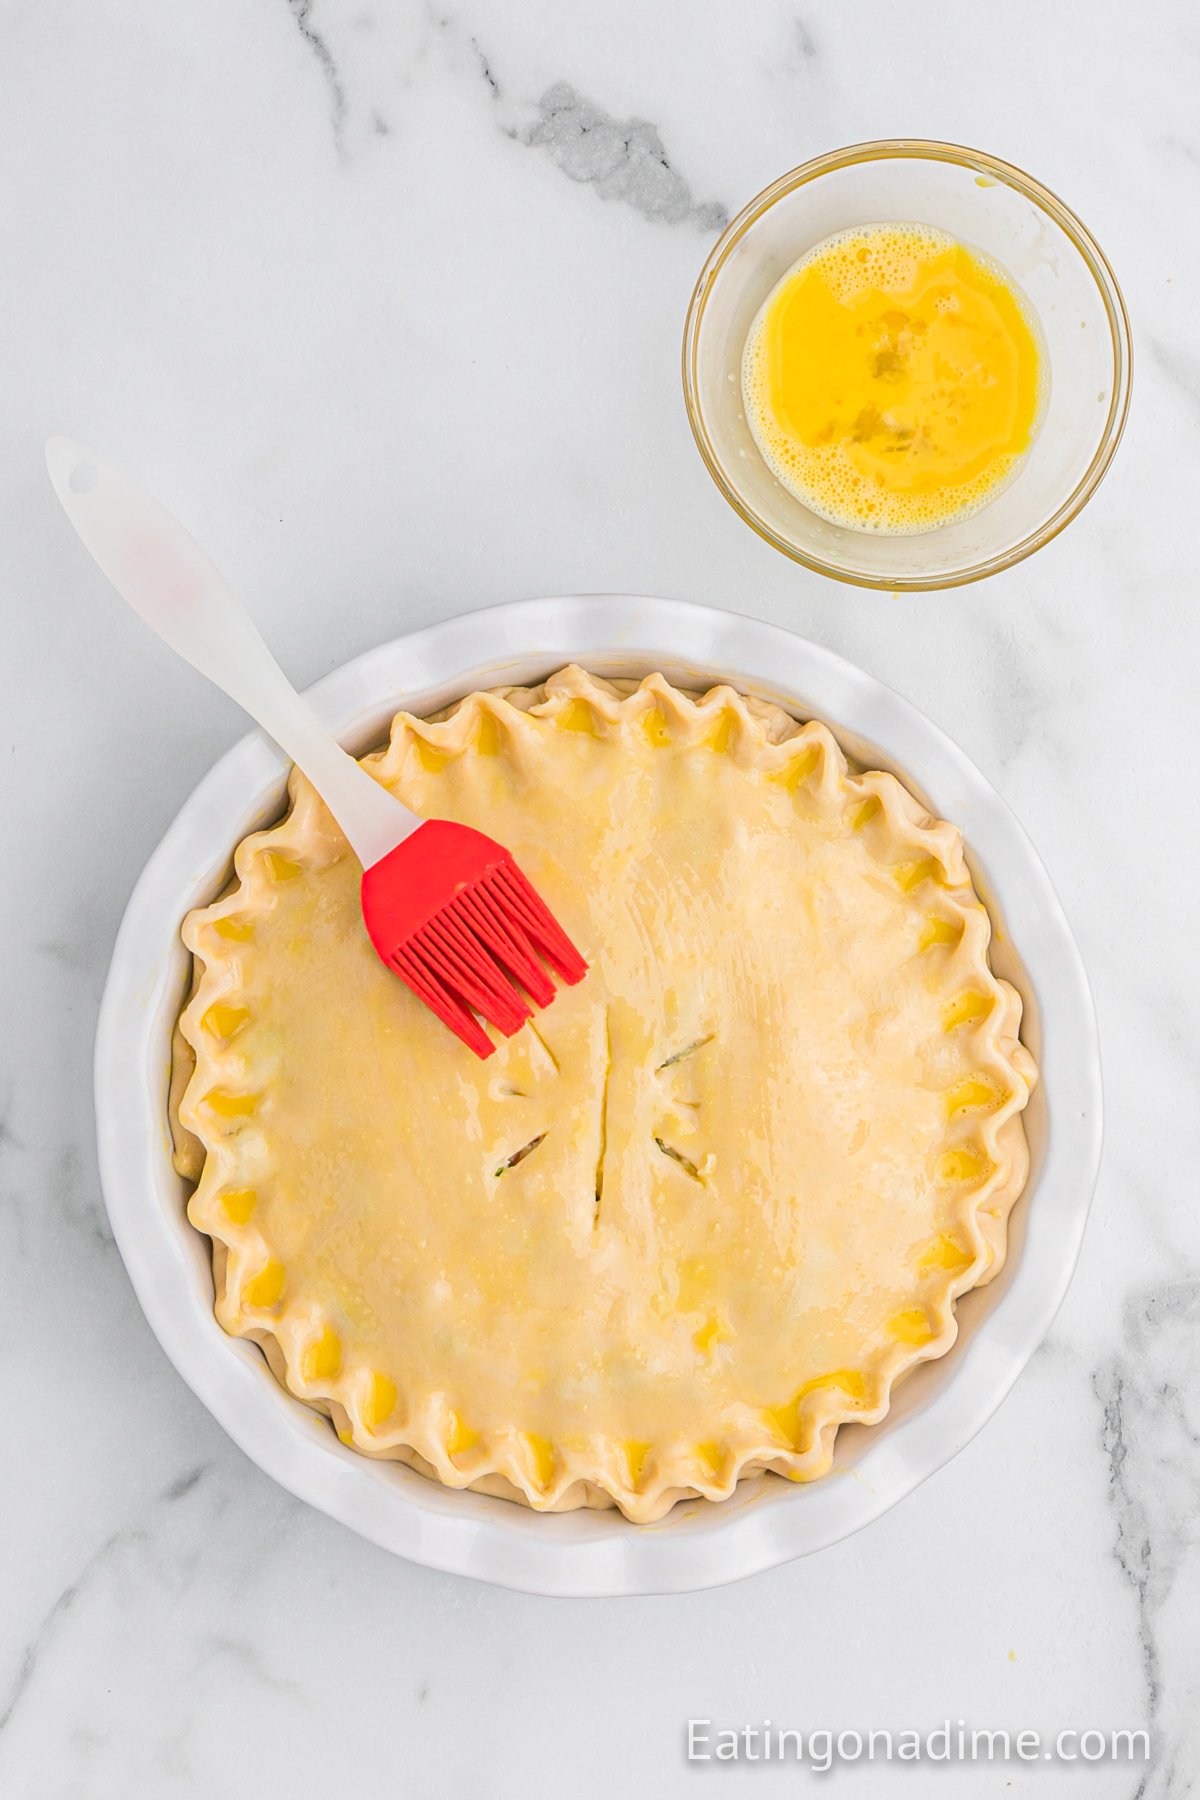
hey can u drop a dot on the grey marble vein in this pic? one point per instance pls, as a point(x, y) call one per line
point(1179, 146)
point(621, 159)
point(76, 953)
point(485, 67)
point(806, 43)
point(63, 1602)
point(245, 1655)
point(1152, 1441)
point(301, 11)
point(57, 1610)
point(78, 1196)
point(1181, 368)
point(34, 1645)
point(183, 1485)
point(8, 1137)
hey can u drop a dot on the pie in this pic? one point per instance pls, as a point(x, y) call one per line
point(708, 1206)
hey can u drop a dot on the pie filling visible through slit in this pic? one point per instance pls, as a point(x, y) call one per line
point(709, 1205)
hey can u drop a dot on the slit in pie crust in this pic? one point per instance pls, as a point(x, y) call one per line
point(709, 1206)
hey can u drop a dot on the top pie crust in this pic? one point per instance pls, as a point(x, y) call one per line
point(710, 1205)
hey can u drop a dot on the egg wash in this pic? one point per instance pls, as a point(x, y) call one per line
point(894, 379)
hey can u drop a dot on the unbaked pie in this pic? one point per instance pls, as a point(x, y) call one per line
point(702, 1211)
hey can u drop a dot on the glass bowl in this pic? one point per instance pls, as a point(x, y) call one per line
point(990, 206)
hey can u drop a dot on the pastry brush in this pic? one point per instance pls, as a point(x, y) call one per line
point(446, 907)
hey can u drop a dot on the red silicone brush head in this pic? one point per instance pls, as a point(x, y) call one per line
point(451, 913)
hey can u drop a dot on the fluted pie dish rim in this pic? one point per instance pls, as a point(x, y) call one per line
point(698, 1544)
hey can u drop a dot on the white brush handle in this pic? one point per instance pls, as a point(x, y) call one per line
point(162, 572)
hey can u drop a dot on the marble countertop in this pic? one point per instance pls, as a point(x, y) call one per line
point(386, 300)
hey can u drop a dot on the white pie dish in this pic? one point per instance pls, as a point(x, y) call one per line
point(934, 1413)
